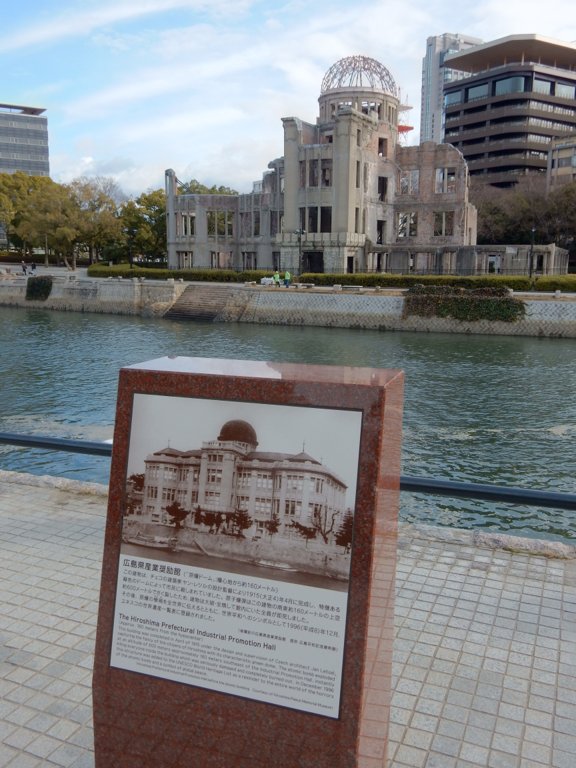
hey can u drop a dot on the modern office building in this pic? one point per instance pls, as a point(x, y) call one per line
point(228, 475)
point(345, 196)
point(23, 144)
point(518, 94)
point(434, 77)
point(561, 162)
point(23, 140)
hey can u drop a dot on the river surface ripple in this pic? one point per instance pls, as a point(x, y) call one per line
point(486, 409)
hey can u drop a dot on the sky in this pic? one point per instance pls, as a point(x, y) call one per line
point(133, 87)
point(329, 436)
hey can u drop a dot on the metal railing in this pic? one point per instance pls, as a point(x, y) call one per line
point(428, 485)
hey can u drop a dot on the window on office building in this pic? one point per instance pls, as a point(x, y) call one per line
point(509, 85)
point(313, 173)
point(478, 92)
point(382, 187)
point(326, 172)
point(312, 219)
point(326, 218)
point(453, 98)
point(407, 224)
point(409, 182)
point(445, 181)
point(443, 223)
point(542, 86)
point(564, 91)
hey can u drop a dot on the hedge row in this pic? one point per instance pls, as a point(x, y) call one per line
point(564, 283)
point(197, 275)
point(379, 280)
point(486, 303)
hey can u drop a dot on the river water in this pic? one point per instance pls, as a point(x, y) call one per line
point(477, 408)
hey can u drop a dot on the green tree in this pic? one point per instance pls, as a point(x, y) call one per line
point(307, 532)
point(99, 219)
point(194, 187)
point(177, 514)
point(240, 521)
point(137, 481)
point(515, 215)
point(143, 226)
point(561, 216)
point(17, 188)
point(210, 519)
point(7, 213)
point(324, 522)
point(273, 525)
point(50, 216)
point(344, 534)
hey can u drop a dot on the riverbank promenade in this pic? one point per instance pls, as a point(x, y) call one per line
point(485, 642)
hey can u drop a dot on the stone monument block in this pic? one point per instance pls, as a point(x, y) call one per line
point(246, 607)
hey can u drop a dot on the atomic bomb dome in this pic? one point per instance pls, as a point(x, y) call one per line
point(238, 431)
point(359, 72)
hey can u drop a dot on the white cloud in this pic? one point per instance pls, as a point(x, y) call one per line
point(136, 86)
point(68, 24)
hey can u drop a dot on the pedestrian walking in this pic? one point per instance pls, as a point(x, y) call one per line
point(287, 278)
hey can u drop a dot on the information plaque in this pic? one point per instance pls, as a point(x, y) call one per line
point(247, 592)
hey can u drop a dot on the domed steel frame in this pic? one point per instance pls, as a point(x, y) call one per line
point(359, 72)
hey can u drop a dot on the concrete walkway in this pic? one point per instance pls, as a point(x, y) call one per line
point(484, 662)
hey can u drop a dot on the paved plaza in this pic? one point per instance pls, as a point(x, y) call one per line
point(484, 660)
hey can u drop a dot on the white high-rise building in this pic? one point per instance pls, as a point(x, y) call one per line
point(434, 75)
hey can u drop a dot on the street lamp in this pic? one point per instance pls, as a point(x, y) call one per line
point(530, 265)
point(300, 232)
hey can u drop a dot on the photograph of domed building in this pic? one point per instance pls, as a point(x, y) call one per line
point(246, 487)
point(228, 475)
point(345, 196)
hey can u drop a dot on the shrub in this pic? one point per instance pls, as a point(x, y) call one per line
point(564, 283)
point(38, 288)
point(464, 304)
point(193, 275)
point(383, 280)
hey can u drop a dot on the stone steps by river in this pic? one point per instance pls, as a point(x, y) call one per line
point(200, 302)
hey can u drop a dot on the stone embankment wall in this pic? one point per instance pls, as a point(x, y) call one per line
point(546, 314)
point(107, 296)
point(549, 315)
point(272, 551)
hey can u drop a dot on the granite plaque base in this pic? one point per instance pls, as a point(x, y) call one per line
point(246, 608)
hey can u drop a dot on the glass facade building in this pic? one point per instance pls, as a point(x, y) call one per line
point(23, 140)
point(518, 96)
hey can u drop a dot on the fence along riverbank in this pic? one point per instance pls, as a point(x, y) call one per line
point(547, 315)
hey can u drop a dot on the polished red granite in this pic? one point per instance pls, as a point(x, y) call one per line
point(142, 721)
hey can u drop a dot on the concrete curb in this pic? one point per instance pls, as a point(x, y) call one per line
point(57, 483)
point(496, 540)
point(406, 531)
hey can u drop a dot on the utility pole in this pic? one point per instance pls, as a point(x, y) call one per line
point(300, 233)
point(531, 263)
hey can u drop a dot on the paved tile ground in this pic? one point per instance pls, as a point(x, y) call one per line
point(484, 661)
